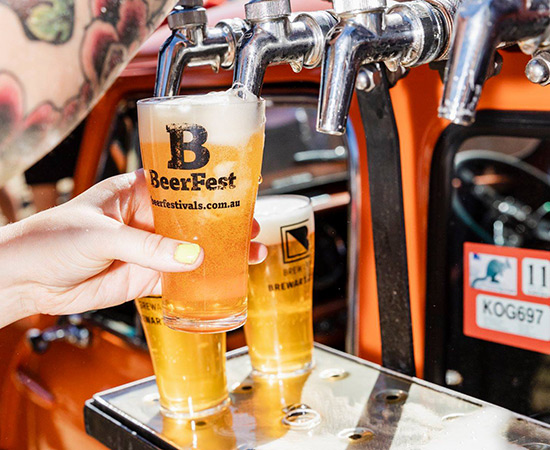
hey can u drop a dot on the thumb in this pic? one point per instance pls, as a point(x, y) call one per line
point(154, 251)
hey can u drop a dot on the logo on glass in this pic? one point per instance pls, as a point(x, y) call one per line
point(295, 242)
point(179, 146)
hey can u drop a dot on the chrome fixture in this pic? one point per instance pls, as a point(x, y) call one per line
point(480, 27)
point(192, 43)
point(277, 37)
point(402, 35)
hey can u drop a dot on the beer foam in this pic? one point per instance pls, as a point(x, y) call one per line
point(275, 211)
point(230, 117)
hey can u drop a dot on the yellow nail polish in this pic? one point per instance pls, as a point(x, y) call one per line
point(187, 253)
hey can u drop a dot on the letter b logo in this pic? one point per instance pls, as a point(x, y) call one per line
point(178, 146)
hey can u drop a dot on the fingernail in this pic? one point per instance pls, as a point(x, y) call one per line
point(187, 253)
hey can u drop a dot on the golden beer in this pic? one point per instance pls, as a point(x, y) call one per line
point(211, 433)
point(279, 329)
point(273, 397)
point(190, 367)
point(202, 156)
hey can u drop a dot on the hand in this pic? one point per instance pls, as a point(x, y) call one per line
point(97, 250)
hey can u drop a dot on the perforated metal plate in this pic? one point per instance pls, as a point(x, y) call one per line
point(344, 403)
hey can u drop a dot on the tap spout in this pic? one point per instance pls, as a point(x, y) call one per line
point(297, 40)
point(480, 27)
point(192, 43)
point(362, 39)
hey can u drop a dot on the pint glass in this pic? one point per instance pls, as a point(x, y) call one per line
point(279, 329)
point(202, 157)
point(190, 367)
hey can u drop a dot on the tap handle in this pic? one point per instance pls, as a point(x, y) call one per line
point(189, 3)
point(343, 7)
point(257, 10)
point(187, 13)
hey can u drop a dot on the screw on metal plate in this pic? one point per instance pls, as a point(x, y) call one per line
point(354, 435)
point(333, 374)
point(303, 418)
point(452, 416)
point(243, 388)
point(392, 396)
point(294, 407)
point(151, 398)
point(536, 446)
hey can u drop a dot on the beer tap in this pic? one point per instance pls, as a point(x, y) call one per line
point(481, 26)
point(277, 37)
point(368, 36)
point(404, 35)
point(192, 43)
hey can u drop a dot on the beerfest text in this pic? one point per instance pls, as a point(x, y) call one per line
point(196, 182)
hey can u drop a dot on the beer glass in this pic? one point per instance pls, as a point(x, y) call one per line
point(202, 156)
point(279, 329)
point(190, 367)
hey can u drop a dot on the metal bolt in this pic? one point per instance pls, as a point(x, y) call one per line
point(367, 79)
point(538, 69)
point(453, 378)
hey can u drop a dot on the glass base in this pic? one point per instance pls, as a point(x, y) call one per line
point(179, 415)
point(205, 326)
point(280, 374)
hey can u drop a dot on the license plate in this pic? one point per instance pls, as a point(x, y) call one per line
point(516, 317)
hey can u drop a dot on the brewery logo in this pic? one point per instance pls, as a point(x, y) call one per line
point(190, 154)
point(180, 146)
point(295, 242)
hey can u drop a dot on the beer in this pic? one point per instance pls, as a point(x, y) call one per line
point(211, 433)
point(190, 367)
point(279, 330)
point(202, 156)
point(273, 397)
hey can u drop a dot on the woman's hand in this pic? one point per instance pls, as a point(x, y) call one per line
point(97, 250)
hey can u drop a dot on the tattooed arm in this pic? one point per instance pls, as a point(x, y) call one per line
point(56, 59)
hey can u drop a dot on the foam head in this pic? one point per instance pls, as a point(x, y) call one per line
point(276, 211)
point(230, 117)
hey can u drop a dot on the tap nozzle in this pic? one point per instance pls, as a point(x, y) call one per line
point(480, 27)
point(192, 43)
point(278, 37)
point(405, 35)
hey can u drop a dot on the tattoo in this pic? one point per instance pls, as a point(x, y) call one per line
point(111, 37)
point(50, 21)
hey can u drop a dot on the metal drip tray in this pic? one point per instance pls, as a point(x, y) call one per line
point(344, 403)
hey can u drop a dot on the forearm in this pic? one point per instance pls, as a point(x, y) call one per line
point(59, 57)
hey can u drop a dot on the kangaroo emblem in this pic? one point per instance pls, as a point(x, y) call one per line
point(495, 268)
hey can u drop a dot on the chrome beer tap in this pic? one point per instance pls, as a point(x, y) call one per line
point(404, 35)
point(480, 27)
point(192, 43)
point(277, 37)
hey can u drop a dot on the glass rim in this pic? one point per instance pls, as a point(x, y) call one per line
point(283, 196)
point(306, 206)
point(161, 101)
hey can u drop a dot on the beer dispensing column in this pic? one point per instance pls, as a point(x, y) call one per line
point(481, 27)
point(369, 40)
point(192, 44)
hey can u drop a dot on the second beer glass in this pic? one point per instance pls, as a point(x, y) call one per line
point(189, 367)
point(202, 156)
point(279, 330)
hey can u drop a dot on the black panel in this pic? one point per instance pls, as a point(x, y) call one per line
point(516, 173)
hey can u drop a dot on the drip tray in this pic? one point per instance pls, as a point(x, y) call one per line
point(344, 403)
